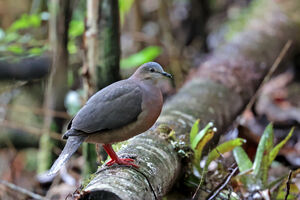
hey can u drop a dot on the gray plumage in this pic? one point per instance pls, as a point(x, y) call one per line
point(72, 145)
point(113, 107)
point(119, 111)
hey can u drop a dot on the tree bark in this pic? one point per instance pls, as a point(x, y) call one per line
point(217, 91)
point(25, 69)
point(108, 71)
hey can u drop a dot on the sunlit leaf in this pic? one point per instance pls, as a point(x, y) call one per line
point(72, 48)
point(15, 49)
point(200, 135)
point(26, 21)
point(124, 7)
point(199, 148)
point(76, 28)
point(223, 148)
point(242, 159)
point(146, 55)
point(261, 161)
point(276, 149)
point(194, 130)
point(35, 51)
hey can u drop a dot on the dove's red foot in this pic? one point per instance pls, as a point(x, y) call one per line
point(115, 159)
point(122, 161)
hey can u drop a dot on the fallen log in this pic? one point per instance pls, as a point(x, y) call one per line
point(218, 91)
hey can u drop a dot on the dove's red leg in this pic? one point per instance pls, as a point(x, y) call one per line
point(115, 159)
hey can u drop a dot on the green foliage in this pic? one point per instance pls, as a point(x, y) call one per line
point(72, 48)
point(146, 55)
point(26, 21)
point(76, 28)
point(254, 176)
point(15, 48)
point(21, 37)
point(261, 161)
point(195, 139)
point(124, 8)
point(242, 159)
point(223, 148)
point(198, 140)
point(36, 51)
point(194, 130)
point(14, 40)
point(276, 149)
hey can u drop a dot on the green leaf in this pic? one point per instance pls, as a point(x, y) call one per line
point(25, 21)
point(146, 55)
point(72, 48)
point(276, 149)
point(15, 49)
point(36, 51)
point(261, 161)
point(76, 28)
point(194, 130)
point(223, 148)
point(242, 159)
point(199, 148)
point(200, 135)
point(124, 7)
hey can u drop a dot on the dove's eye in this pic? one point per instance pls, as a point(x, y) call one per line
point(152, 70)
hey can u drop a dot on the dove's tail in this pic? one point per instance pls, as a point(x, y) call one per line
point(72, 145)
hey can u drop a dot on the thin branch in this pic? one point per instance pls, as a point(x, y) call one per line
point(222, 185)
point(270, 72)
point(288, 185)
point(22, 190)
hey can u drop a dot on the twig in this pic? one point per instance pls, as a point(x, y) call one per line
point(288, 185)
point(270, 72)
point(199, 185)
point(221, 186)
point(22, 190)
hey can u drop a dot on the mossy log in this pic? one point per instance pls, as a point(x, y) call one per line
point(217, 91)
